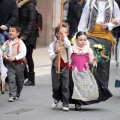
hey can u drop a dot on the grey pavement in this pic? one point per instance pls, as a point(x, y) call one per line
point(35, 102)
point(41, 60)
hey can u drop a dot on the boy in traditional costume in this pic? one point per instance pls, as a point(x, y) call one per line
point(60, 86)
point(14, 50)
point(96, 18)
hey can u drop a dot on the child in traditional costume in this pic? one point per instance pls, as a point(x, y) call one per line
point(14, 50)
point(60, 86)
point(85, 88)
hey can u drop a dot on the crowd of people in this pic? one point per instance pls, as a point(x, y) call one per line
point(18, 36)
point(84, 66)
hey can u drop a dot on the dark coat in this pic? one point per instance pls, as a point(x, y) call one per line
point(74, 14)
point(8, 12)
point(27, 18)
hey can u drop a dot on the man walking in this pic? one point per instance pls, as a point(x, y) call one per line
point(96, 18)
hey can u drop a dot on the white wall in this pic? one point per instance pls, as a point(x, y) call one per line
point(56, 12)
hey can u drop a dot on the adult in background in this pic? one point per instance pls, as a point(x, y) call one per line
point(8, 14)
point(29, 33)
point(96, 19)
point(8, 17)
point(116, 34)
point(74, 14)
point(65, 10)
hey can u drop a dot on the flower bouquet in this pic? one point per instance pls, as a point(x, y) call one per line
point(100, 53)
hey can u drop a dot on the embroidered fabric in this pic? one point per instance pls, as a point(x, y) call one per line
point(80, 61)
point(85, 86)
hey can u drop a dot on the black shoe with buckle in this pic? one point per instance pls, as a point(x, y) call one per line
point(29, 83)
point(77, 107)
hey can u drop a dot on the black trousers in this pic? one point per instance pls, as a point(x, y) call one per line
point(30, 58)
point(103, 66)
point(6, 79)
point(60, 87)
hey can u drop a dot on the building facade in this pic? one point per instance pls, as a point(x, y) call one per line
point(50, 10)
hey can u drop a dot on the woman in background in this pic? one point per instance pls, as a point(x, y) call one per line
point(74, 14)
point(29, 33)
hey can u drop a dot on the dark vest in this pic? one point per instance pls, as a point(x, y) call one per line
point(93, 16)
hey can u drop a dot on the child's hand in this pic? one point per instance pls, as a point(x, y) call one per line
point(58, 49)
point(95, 60)
point(114, 21)
point(11, 59)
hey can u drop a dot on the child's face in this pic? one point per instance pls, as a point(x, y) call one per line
point(81, 41)
point(63, 32)
point(13, 33)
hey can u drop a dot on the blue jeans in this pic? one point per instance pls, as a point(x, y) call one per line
point(3, 36)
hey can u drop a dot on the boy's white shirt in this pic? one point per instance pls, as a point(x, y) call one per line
point(22, 49)
point(51, 52)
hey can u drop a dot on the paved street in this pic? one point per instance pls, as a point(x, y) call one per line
point(35, 102)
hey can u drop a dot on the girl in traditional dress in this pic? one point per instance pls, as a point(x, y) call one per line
point(85, 88)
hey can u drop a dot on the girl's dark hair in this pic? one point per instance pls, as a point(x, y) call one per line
point(79, 34)
point(18, 29)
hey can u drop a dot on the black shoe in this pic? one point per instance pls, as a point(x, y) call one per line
point(29, 83)
point(31, 79)
point(77, 107)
